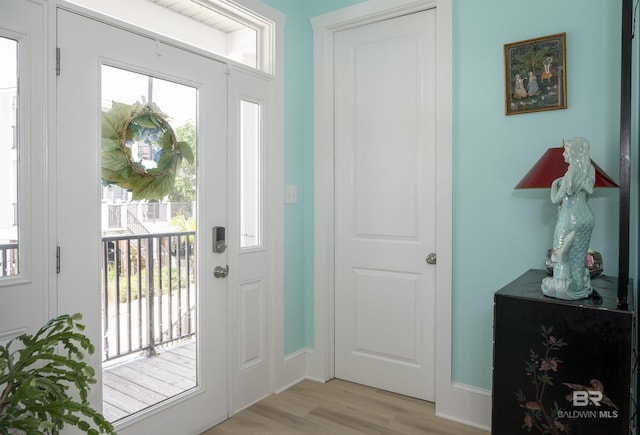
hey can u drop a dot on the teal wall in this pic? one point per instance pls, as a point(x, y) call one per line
point(298, 150)
point(498, 232)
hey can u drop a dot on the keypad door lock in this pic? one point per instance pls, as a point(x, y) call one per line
point(219, 240)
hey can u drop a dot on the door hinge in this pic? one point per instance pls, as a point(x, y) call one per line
point(57, 61)
point(57, 259)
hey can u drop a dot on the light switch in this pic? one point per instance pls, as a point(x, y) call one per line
point(291, 194)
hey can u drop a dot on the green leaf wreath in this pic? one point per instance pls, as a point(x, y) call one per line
point(125, 124)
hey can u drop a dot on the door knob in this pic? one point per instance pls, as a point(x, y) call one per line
point(221, 271)
point(432, 258)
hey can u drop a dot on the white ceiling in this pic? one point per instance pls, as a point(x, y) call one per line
point(202, 11)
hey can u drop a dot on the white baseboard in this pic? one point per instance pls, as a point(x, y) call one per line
point(290, 370)
point(316, 367)
point(467, 405)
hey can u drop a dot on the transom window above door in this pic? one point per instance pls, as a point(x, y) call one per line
point(219, 27)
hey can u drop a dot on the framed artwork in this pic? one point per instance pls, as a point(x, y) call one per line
point(535, 75)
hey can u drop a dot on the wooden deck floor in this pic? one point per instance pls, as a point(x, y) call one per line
point(134, 385)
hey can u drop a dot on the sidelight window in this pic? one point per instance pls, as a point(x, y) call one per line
point(9, 153)
point(250, 175)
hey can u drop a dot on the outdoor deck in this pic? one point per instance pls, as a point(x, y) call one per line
point(134, 385)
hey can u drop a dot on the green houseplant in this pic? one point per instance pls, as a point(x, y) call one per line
point(41, 390)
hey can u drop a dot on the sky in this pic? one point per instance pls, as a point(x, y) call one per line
point(8, 63)
point(178, 101)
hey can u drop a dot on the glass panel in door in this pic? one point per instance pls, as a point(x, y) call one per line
point(148, 241)
point(9, 263)
point(250, 175)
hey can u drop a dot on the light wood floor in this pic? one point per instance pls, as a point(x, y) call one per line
point(339, 408)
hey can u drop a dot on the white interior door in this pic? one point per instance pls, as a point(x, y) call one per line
point(88, 46)
point(385, 204)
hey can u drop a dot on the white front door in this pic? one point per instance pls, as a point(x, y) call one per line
point(24, 259)
point(385, 204)
point(91, 52)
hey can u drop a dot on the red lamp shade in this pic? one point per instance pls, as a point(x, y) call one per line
point(551, 166)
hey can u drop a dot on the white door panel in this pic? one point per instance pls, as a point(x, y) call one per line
point(85, 46)
point(393, 295)
point(385, 204)
point(24, 272)
point(249, 110)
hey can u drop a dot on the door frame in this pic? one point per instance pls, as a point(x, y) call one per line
point(452, 402)
point(274, 161)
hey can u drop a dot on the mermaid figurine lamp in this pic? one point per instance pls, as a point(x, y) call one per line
point(572, 175)
point(571, 278)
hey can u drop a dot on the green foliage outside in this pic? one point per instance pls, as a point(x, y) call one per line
point(184, 224)
point(39, 388)
point(160, 287)
point(184, 188)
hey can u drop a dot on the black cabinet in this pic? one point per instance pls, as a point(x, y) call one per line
point(561, 366)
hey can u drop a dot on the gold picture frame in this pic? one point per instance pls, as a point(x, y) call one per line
point(535, 75)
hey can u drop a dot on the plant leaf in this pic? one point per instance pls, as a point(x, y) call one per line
point(186, 151)
point(114, 160)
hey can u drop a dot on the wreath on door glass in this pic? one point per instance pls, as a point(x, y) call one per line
point(140, 152)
